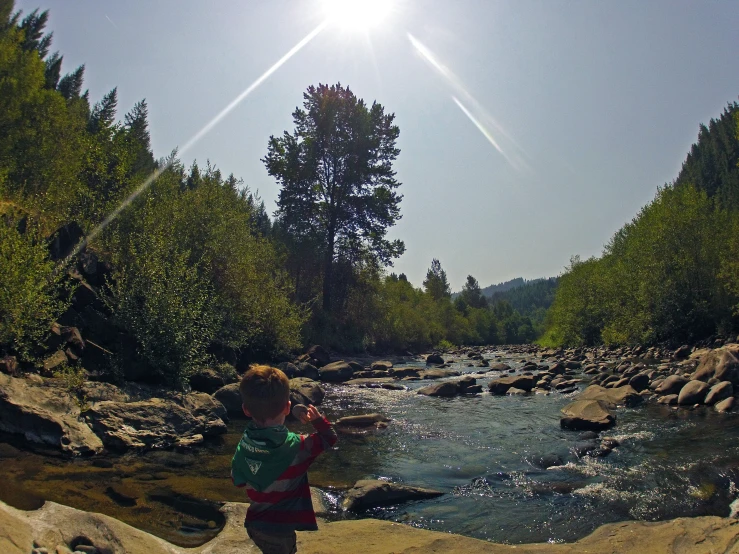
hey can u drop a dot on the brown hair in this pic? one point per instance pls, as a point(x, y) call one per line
point(265, 391)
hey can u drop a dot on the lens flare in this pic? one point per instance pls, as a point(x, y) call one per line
point(357, 15)
point(479, 117)
point(192, 141)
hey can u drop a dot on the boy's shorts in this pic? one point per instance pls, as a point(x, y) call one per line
point(274, 543)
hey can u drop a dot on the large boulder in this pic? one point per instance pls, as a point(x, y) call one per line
point(306, 391)
point(289, 369)
point(336, 372)
point(694, 392)
point(639, 382)
point(206, 380)
point(501, 386)
point(725, 405)
point(671, 385)
point(722, 363)
point(499, 366)
point(381, 365)
point(369, 494)
point(307, 370)
point(621, 396)
point(436, 373)
point(147, 424)
point(434, 359)
point(318, 356)
point(447, 388)
point(719, 392)
point(45, 415)
point(587, 415)
point(210, 411)
point(230, 397)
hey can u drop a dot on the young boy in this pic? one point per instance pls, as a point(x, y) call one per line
point(271, 462)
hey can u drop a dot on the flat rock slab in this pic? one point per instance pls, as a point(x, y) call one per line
point(365, 420)
point(45, 415)
point(587, 415)
point(621, 396)
point(437, 373)
point(370, 493)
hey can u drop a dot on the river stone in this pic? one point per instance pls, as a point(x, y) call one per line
point(381, 365)
point(669, 399)
point(319, 356)
point(548, 460)
point(725, 405)
point(722, 363)
point(45, 415)
point(621, 396)
point(513, 391)
point(434, 359)
point(447, 388)
point(694, 392)
point(501, 386)
point(586, 415)
point(230, 397)
point(400, 372)
point(209, 410)
point(671, 385)
point(306, 391)
point(473, 389)
point(639, 382)
point(336, 372)
point(500, 366)
point(437, 373)
point(307, 370)
point(719, 392)
point(289, 369)
point(369, 494)
point(366, 420)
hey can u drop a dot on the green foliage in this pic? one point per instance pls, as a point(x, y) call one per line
point(436, 283)
point(74, 380)
point(30, 288)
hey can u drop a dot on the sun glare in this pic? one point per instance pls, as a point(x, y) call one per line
point(357, 15)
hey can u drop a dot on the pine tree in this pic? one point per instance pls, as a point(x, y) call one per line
point(472, 295)
point(103, 113)
point(53, 70)
point(137, 126)
point(70, 85)
point(436, 283)
point(33, 25)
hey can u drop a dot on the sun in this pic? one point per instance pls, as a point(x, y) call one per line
point(357, 15)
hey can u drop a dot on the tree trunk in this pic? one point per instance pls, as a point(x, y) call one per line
point(328, 274)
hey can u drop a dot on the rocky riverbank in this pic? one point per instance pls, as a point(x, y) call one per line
point(62, 530)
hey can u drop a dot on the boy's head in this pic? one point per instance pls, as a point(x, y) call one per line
point(265, 393)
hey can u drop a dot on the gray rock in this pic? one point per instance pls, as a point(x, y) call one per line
point(45, 415)
point(210, 411)
point(621, 396)
point(694, 392)
point(289, 369)
point(206, 380)
point(319, 355)
point(501, 386)
point(434, 359)
point(671, 385)
point(230, 397)
point(336, 372)
point(586, 415)
point(719, 392)
point(400, 372)
point(306, 391)
point(725, 405)
point(369, 494)
point(381, 365)
point(513, 391)
point(437, 373)
point(500, 366)
point(668, 399)
point(447, 388)
point(639, 382)
point(307, 370)
point(366, 420)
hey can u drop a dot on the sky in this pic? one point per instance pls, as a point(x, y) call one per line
point(592, 105)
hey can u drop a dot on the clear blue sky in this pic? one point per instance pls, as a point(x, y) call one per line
point(600, 102)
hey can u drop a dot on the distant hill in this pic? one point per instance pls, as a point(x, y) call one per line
point(508, 285)
point(528, 297)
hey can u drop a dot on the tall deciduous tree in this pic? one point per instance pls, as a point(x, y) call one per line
point(337, 178)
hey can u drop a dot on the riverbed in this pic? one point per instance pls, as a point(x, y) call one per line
point(482, 451)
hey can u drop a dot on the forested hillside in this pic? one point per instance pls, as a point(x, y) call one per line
point(192, 272)
point(672, 273)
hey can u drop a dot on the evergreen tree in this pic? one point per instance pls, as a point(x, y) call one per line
point(472, 295)
point(338, 183)
point(53, 70)
point(33, 26)
point(137, 125)
point(103, 113)
point(436, 283)
point(71, 84)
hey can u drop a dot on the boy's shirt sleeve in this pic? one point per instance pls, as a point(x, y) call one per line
point(323, 439)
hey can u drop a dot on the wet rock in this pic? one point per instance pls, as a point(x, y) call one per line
point(671, 385)
point(583, 448)
point(572, 364)
point(206, 380)
point(381, 366)
point(621, 396)
point(307, 370)
point(513, 391)
point(401, 372)
point(499, 367)
point(230, 397)
point(725, 405)
point(587, 436)
point(722, 363)
point(639, 382)
point(369, 494)
point(668, 399)
point(473, 389)
point(584, 415)
point(306, 391)
point(694, 392)
point(289, 369)
point(44, 415)
point(336, 372)
point(437, 373)
point(434, 359)
point(366, 420)
point(154, 423)
point(447, 388)
point(318, 356)
point(522, 382)
point(719, 392)
point(393, 386)
point(357, 367)
point(548, 460)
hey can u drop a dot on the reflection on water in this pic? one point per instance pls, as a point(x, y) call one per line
point(479, 450)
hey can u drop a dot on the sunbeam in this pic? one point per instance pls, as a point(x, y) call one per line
point(483, 116)
point(195, 138)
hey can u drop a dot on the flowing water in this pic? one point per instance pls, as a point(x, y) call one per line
point(482, 451)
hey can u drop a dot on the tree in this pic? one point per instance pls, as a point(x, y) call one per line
point(338, 183)
point(436, 283)
point(472, 295)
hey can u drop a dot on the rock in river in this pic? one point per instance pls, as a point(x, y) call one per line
point(336, 372)
point(586, 415)
point(501, 386)
point(671, 385)
point(368, 494)
point(447, 388)
point(693, 393)
point(306, 391)
point(621, 396)
point(719, 392)
point(44, 415)
point(230, 397)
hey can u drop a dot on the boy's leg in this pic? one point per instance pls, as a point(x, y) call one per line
point(270, 543)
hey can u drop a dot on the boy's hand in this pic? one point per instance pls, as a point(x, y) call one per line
point(312, 414)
